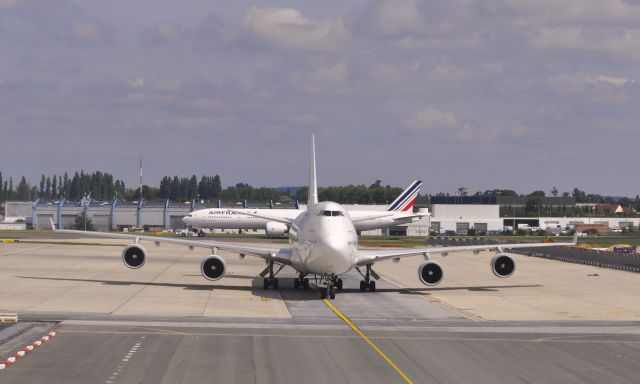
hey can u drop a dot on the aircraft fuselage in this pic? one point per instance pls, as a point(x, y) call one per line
point(324, 240)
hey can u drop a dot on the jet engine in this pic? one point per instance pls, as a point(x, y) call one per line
point(213, 267)
point(134, 256)
point(430, 273)
point(276, 229)
point(503, 265)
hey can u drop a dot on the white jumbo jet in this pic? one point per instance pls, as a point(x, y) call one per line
point(322, 242)
point(398, 212)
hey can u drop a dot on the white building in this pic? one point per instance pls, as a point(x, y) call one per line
point(458, 218)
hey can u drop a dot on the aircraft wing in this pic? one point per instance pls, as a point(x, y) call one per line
point(407, 217)
point(372, 217)
point(368, 256)
point(279, 255)
point(277, 219)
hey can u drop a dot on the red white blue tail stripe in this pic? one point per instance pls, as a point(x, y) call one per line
point(407, 198)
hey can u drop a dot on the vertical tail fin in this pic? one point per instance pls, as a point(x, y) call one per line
point(405, 201)
point(313, 187)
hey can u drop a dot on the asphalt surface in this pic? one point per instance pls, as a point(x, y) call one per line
point(105, 336)
point(427, 343)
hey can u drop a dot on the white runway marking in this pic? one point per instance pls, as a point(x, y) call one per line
point(128, 357)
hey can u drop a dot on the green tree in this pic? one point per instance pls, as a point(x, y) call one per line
point(54, 187)
point(579, 195)
point(47, 188)
point(42, 181)
point(533, 207)
point(193, 188)
point(23, 193)
point(83, 223)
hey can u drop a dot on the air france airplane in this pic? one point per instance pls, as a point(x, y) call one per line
point(398, 212)
point(322, 242)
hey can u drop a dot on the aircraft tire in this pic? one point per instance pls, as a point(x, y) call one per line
point(275, 283)
point(266, 283)
point(363, 285)
point(305, 283)
point(332, 293)
point(323, 293)
point(296, 284)
point(372, 286)
point(339, 284)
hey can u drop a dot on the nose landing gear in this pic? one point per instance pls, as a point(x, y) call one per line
point(330, 284)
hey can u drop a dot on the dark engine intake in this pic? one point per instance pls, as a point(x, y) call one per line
point(503, 265)
point(134, 256)
point(430, 273)
point(213, 267)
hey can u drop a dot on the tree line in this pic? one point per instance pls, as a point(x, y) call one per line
point(376, 193)
point(98, 185)
point(103, 186)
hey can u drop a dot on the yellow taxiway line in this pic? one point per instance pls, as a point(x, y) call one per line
point(365, 338)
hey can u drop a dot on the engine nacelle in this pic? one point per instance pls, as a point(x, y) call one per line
point(503, 265)
point(276, 229)
point(134, 256)
point(213, 267)
point(430, 273)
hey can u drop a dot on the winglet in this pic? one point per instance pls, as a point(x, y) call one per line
point(313, 187)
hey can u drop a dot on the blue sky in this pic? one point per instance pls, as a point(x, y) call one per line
point(523, 94)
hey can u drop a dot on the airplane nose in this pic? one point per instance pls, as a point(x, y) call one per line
point(337, 253)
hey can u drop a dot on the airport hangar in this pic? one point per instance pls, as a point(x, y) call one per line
point(449, 214)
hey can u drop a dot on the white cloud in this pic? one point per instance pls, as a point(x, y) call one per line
point(9, 4)
point(611, 80)
point(207, 103)
point(621, 42)
point(533, 12)
point(584, 84)
point(491, 132)
point(288, 28)
point(87, 31)
point(328, 79)
point(163, 31)
point(430, 118)
point(303, 118)
point(392, 17)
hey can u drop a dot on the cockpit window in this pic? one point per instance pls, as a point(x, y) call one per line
point(327, 213)
point(331, 213)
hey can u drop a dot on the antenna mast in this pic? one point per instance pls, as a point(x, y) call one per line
point(141, 179)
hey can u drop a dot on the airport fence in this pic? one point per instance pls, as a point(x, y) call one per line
point(606, 259)
point(599, 258)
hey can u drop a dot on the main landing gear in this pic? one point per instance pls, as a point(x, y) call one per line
point(272, 280)
point(331, 284)
point(301, 282)
point(367, 283)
